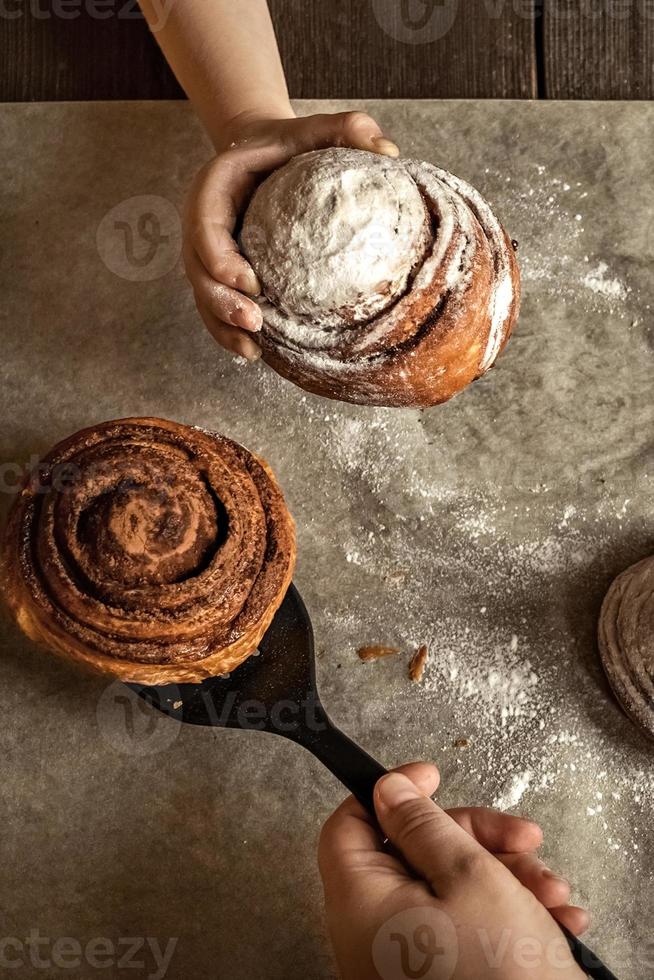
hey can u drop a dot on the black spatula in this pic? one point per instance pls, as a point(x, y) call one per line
point(275, 691)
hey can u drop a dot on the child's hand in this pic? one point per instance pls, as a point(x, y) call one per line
point(220, 276)
point(479, 903)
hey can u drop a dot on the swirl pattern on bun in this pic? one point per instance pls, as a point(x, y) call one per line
point(385, 282)
point(150, 550)
point(626, 642)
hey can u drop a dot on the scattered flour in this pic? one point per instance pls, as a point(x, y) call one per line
point(597, 281)
point(551, 258)
point(514, 792)
point(510, 666)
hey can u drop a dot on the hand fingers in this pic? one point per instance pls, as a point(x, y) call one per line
point(357, 870)
point(430, 841)
point(351, 829)
point(354, 129)
point(224, 187)
point(496, 831)
point(551, 890)
point(231, 338)
point(573, 918)
point(226, 184)
point(224, 303)
point(219, 254)
point(424, 775)
point(513, 841)
point(238, 168)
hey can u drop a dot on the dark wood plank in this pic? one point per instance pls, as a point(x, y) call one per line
point(54, 58)
point(406, 48)
point(595, 50)
point(331, 49)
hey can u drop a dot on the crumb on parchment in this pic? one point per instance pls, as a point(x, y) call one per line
point(375, 652)
point(417, 664)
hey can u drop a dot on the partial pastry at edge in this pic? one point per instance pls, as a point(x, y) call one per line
point(149, 550)
point(385, 282)
point(626, 642)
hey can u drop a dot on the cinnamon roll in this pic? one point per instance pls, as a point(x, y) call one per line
point(385, 282)
point(626, 642)
point(149, 550)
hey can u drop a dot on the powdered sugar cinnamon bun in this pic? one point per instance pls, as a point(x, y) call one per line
point(385, 282)
point(149, 550)
point(626, 642)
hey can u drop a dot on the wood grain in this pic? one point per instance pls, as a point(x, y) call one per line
point(54, 58)
point(579, 49)
point(406, 49)
point(50, 58)
point(598, 50)
point(61, 49)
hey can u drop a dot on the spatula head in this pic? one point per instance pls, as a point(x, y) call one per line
point(268, 692)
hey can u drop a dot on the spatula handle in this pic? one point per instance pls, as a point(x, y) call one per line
point(357, 770)
point(586, 959)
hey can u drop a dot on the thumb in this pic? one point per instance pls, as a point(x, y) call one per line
point(428, 839)
point(354, 129)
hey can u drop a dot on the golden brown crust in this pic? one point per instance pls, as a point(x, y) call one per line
point(149, 550)
point(626, 642)
point(444, 332)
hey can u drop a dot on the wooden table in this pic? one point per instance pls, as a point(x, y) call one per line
point(555, 49)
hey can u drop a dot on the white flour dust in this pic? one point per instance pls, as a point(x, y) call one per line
point(597, 281)
point(514, 792)
point(551, 255)
point(516, 676)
